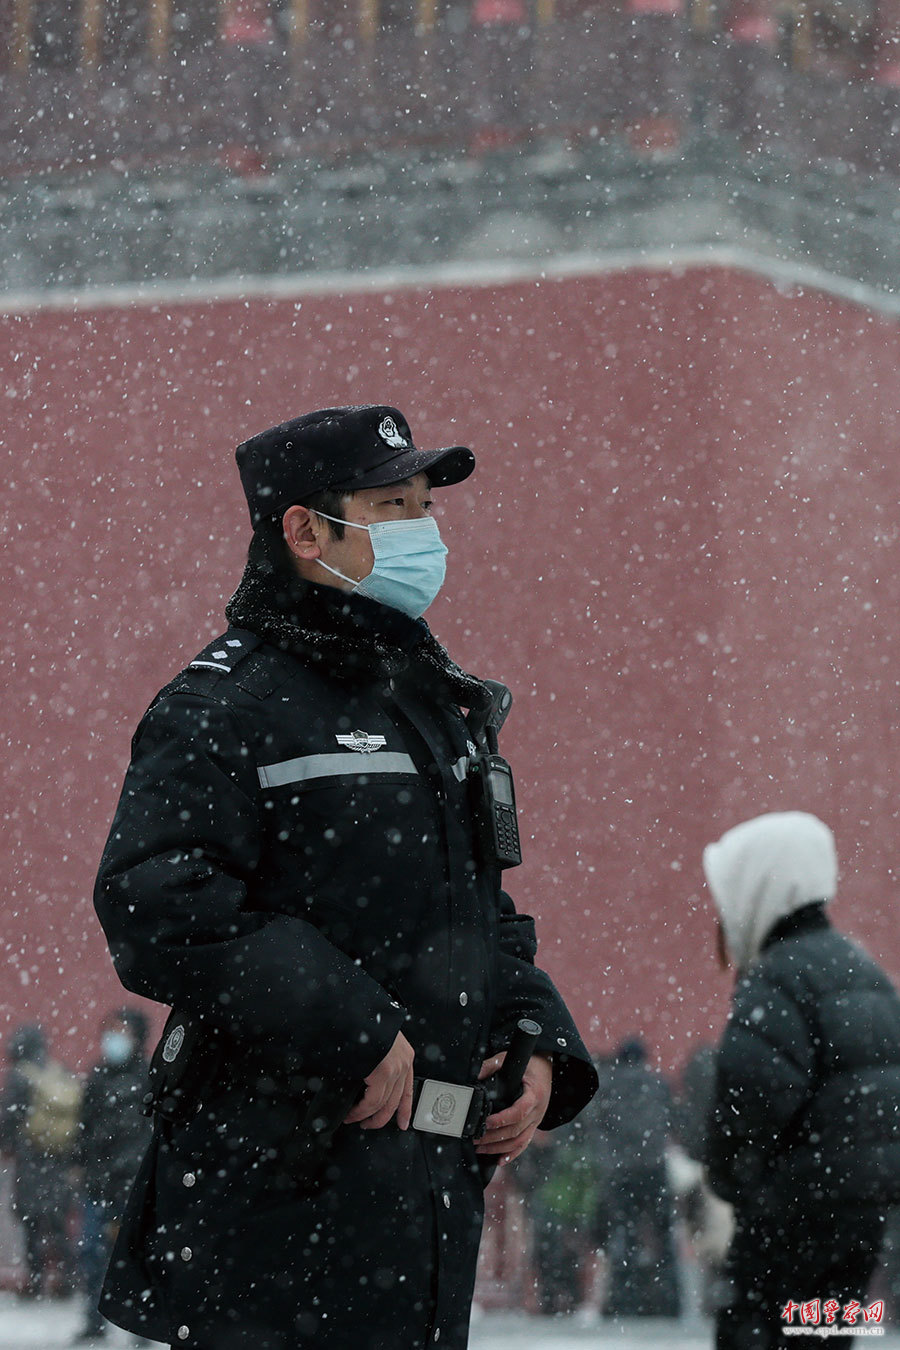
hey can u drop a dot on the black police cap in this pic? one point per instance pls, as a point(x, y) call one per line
point(340, 448)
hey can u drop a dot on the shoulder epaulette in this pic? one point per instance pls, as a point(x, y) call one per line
point(224, 653)
point(232, 660)
point(215, 663)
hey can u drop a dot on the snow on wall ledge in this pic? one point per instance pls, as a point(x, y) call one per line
point(679, 549)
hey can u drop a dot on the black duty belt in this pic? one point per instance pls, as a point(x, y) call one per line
point(456, 1109)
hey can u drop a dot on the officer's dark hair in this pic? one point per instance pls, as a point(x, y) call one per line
point(331, 503)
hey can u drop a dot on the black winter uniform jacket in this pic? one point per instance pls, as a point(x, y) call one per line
point(293, 861)
point(807, 1101)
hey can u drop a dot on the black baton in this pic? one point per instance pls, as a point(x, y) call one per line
point(507, 1086)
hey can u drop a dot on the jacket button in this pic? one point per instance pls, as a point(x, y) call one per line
point(188, 1180)
point(446, 1199)
point(186, 1253)
point(560, 1040)
point(183, 1333)
point(463, 998)
point(437, 1333)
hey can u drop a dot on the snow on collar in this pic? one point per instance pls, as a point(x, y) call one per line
point(763, 870)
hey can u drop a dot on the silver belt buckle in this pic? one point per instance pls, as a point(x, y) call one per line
point(442, 1108)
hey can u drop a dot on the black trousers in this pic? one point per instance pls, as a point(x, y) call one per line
point(785, 1256)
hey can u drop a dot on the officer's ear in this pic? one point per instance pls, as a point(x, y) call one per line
point(302, 531)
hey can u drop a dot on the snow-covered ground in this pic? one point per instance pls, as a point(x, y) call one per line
point(46, 1326)
point(518, 1331)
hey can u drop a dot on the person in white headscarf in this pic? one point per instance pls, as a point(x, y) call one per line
point(804, 1131)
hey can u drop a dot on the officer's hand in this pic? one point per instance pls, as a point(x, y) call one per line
point(509, 1132)
point(389, 1090)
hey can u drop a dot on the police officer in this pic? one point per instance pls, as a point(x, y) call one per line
point(302, 865)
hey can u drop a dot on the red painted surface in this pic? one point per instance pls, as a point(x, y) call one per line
point(886, 63)
point(679, 550)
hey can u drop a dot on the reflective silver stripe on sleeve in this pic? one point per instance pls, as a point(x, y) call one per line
point(333, 766)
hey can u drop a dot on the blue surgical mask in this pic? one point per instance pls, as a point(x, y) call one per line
point(116, 1047)
point(409, 563)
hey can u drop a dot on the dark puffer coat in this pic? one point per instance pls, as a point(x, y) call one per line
point(807, 1103)
point(293, 860)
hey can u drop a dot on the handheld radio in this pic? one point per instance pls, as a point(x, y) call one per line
point(491, 782)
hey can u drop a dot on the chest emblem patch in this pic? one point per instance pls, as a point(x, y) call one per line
point(361, 741)
point(174, 1042)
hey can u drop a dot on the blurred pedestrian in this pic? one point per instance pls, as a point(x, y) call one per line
point(38, 1127)
point(804, 1136)
point(708, 1219)
point(693, 1099)
point(633, 1121)
point(113, 1136)
point(555, 1178)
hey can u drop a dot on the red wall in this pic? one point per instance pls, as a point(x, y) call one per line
point(679, 549)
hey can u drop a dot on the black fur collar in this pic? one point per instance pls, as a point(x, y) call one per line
point(351, 636)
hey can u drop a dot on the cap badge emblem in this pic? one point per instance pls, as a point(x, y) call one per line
point(388, 431)
point(361, 741)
